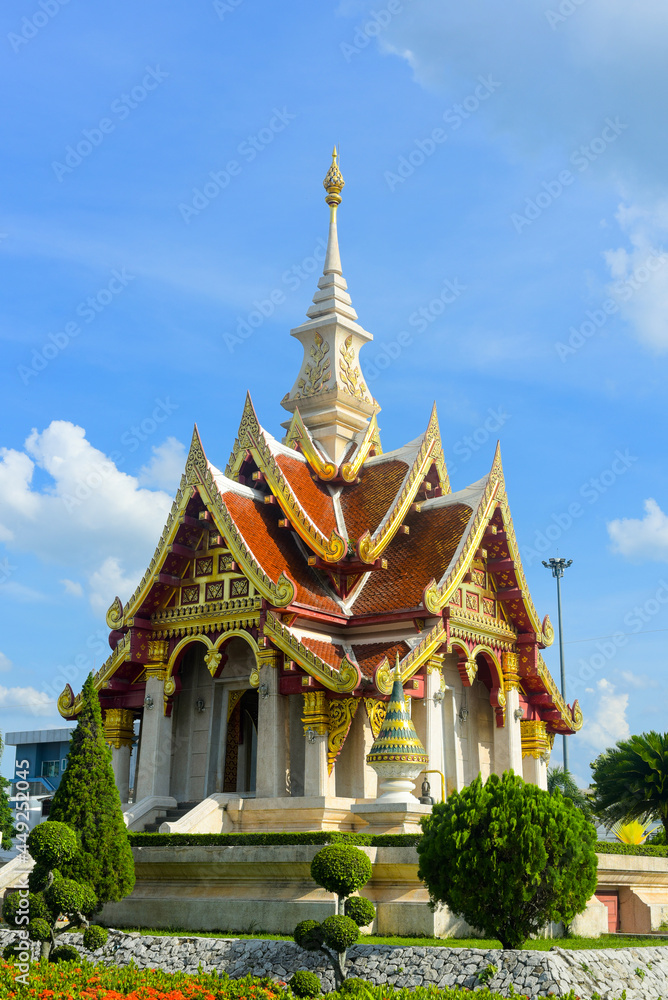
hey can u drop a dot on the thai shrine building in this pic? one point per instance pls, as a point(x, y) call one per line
point(290, 590)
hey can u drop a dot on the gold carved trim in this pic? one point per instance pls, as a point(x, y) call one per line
point(318, 373)
point(345, 679)
point(437, 595)
point(233, 699)
point(119, 727)
point(510, 663)
point(370, 441)
point(251, 438)
point(212, 659)
point(298, 437)
point(69, 705)
point(376, 711)
point(413, 660)
point(370, 547)
point(341, 714)
point(535, 740)
point(156, 670)
point(350, 373)
point(316, 713)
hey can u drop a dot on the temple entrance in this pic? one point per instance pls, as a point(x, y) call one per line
point(241, 743)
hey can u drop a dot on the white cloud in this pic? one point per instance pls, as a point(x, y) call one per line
point(5, 663)
point(641, 681)
point(645, 538)
point(27, 699)
point(109, 580)
point(72, 587)
point(166, 467)
point(87, 514)
point(640, 273)
point(609, 721)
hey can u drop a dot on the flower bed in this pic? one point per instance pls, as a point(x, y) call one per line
point(84, 981)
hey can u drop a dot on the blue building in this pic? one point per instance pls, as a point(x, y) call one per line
point(46, 752)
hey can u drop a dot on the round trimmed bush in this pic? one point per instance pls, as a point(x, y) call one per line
point(68, 896)
point(353, 985)
point(39, 930)
point(360, 909)
point(95, 937)
point(341, 868)
point(37, 908)
point(66, 953)
point(50, 843)
point(305, 984)
point(308, 935)
point(12, 951)
point(339, 933)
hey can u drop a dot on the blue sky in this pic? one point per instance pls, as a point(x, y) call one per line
point(161, 176)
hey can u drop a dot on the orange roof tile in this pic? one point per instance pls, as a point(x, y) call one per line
point(312, 495)
point(327, 651)
point(414, 559)
point(275, 550)
point(370, 654)
point(364, 504)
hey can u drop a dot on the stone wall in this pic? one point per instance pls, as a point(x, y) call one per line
point(642, 972)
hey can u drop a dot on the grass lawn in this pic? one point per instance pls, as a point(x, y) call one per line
point(540, 944)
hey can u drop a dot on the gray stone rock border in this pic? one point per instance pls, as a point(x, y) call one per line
point(642, 972)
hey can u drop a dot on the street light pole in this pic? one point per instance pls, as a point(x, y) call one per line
point(558, 566)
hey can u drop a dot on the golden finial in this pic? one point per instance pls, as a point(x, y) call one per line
point(396, 673)
point(333, 182)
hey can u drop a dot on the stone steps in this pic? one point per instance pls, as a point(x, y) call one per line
point(171, 815)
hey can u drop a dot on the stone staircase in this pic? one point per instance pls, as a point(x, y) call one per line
point(171, 815)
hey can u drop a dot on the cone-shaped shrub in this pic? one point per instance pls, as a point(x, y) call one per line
point(87, 800)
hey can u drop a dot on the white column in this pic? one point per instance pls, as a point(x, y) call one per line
point(272, 741)
point(118, 731)
point(535, 771)
point(156, 738)
point(508, 739)
point(454, 761)
point(315, 721)
point(434, 743)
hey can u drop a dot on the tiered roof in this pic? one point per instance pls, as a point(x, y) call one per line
point(355, 559)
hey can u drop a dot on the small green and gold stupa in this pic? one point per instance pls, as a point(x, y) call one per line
point(397, 755)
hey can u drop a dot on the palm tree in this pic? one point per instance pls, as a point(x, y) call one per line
point(631, 780)
point(557, 777)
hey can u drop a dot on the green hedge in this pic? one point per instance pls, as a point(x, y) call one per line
point(271, 839)
point(612, 847)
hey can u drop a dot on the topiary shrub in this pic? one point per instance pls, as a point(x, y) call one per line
point(12, 951)
point(508, 857)
point(360, 909)
point(340, 869)
point(308, 935)
point(355, 985)
point(39, 930)
point(305, 984)
point(65, 953)
point(95, 937)
point(54, 904)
